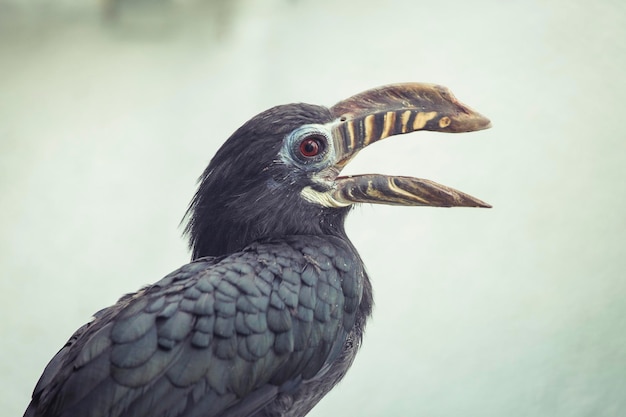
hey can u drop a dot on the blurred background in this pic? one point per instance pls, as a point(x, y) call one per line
point(110, 110)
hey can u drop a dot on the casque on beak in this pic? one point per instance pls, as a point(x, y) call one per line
point(392, 110)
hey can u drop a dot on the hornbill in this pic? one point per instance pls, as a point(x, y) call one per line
point(270, 313)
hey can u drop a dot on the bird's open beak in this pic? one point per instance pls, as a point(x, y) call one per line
point(392, 110)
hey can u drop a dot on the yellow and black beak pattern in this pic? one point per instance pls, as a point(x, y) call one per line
point(387, 111)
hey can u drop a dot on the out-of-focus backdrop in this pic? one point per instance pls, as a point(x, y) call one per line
point(110, 110)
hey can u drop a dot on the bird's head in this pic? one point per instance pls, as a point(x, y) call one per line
point(279, 174)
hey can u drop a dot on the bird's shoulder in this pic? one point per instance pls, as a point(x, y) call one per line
point(215, 330)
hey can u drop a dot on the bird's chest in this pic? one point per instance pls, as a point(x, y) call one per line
point(342, 304)
point(299, 402)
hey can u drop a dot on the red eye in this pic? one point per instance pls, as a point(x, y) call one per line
point(312, 146)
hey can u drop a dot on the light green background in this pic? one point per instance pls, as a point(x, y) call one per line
point(515, 311)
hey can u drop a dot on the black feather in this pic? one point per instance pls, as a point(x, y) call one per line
point(264, 322)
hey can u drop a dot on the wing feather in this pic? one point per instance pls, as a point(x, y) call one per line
point(217, 337)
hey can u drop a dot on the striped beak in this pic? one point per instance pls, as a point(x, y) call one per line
point(392, 110)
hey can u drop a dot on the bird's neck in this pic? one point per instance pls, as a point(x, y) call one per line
point(216, 229)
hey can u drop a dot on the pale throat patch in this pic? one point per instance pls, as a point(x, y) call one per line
point(325, 199)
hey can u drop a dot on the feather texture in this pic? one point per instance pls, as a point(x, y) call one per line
point(257, 324)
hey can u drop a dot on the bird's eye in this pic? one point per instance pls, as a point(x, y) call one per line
point(312, 145)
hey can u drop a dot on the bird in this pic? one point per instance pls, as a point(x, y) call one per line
point(270, 312)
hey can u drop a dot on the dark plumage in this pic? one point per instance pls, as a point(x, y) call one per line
point(268, 316)
point(243, 196)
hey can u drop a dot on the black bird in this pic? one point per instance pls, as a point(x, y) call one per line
point(270, 313)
